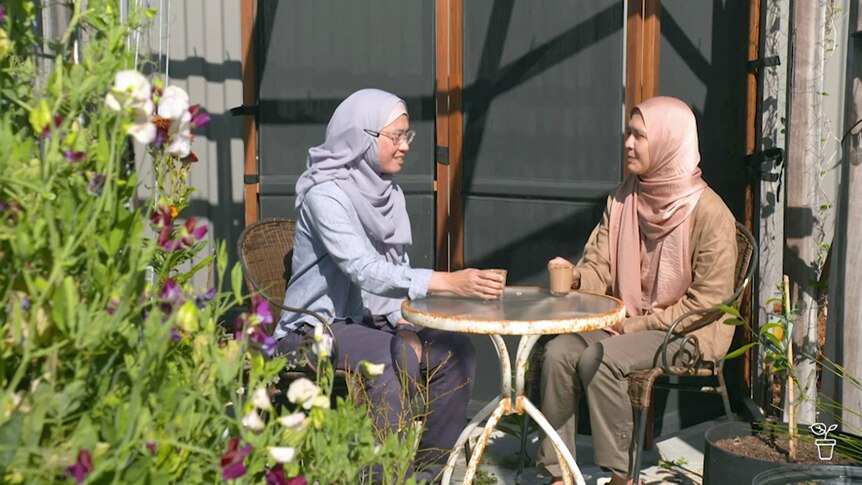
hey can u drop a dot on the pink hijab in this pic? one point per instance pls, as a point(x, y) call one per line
point(650, 226)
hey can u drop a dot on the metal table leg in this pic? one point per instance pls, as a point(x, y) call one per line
point(502, 405)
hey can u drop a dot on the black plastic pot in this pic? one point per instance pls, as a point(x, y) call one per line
point(810, 474)
point(721, 467)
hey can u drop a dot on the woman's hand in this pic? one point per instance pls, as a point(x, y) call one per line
point(407, 333)
point(468, 282)
point(576, 275)
point(615, 329)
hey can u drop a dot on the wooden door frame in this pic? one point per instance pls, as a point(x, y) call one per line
point(251, 178)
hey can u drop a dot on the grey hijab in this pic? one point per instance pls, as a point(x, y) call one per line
point(350, 157)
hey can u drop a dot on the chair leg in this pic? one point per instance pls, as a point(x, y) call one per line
point(522, 451)
point(722, 390)
point(636, 448)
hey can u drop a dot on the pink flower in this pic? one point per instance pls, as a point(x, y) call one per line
point(192, 232)
point(82, 467)
point(232, 465)
point(74, 157)
point(260, 307)
point(200, 118)
point(170, 291)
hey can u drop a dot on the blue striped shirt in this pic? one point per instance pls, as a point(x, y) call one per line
point(338, 271)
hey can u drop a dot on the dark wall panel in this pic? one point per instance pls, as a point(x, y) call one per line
point(314, 54)
point(703, 62)
point(543, 104)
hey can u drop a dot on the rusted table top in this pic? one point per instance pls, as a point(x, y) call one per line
point(524, 310)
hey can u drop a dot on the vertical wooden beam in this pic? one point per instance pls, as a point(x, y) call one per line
point(456, 133)
point(752, 119)
point(441, 181)
point(248, 17)
point(643, 42)
point(450, 135)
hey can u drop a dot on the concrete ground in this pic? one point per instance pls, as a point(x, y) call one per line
point(681, 454)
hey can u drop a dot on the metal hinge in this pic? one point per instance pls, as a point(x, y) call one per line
point(441, 154)
point(762, 163)
point(245, 110)
point(770, 61)
point(251, 178)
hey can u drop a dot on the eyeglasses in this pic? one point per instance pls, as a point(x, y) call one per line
point(396, 138)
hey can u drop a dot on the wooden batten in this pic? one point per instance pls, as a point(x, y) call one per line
point(248, 17)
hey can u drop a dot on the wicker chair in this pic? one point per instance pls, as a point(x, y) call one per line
point(265, 250)
point(689, 363)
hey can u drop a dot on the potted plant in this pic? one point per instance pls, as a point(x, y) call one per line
point(735, 452)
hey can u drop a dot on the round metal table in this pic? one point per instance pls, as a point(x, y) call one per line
point(527, 311)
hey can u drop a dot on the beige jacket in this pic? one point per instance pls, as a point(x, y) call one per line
point(713, 260)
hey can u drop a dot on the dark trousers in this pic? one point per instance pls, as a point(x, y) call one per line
point(447, 367)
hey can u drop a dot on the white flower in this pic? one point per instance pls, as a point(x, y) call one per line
point(142, 130)
point(372, 370)
point(293, 420)
point(252, 421)
point(320, 401)
point(131, 89)
point(323, 347)
point(173, 103)
point(181, 137)
point(302, 391)
point(260, 399)
point(282, 454)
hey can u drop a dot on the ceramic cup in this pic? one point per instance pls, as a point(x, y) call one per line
point(561, 278)
point(503, 273)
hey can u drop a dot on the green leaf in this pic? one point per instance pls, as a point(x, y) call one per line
point(734, 321)
point(740, 351)
point(729, 310)
point(236, 282)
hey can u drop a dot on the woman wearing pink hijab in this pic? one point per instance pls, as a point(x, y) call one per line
point(664, 246)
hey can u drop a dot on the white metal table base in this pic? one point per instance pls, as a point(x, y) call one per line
point(503, 405)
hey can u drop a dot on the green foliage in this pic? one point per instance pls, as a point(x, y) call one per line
point(107, 375)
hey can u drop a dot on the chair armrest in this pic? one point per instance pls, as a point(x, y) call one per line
point(709, 317)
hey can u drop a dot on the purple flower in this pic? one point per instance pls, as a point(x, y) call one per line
point(260, 307)
point(113, 304)
point(58, 120)
point(161, 137)
point(151, 447)
point(200, 118)
point(170, 291)
point(192, 233)
point(176, 336)
point(25, 303)
point(232, 465)
point(275, 476)
point(165, 240)
point(163, 216)
point(97, 183)
point(82, 467)
point(203, 299)
point(11, 211)
point(73, 156)
point(263, 341)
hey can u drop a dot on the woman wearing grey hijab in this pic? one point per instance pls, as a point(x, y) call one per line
point(350, 265)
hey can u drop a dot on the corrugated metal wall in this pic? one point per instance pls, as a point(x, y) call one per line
point(198, 44)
